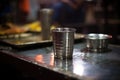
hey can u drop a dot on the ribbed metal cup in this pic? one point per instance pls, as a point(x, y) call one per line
point(63, 41)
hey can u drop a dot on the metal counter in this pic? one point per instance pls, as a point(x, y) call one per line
point(84, 65)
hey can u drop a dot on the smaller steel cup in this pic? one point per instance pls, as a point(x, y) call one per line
point(97, 42)
point(63, 41)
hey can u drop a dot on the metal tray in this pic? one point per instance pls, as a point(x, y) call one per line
point(14, 36)
point(32, 40)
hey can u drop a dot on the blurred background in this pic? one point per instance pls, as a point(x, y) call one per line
point(100, 16)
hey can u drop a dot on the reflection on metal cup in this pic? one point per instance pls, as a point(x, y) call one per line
point(64, 65)
point(46, 22)
point(63, 41)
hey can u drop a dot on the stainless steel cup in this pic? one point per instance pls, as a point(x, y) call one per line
point(97, 42)
point(63, 41)
point(46, 22)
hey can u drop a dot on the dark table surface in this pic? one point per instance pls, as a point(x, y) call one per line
point(85, 65)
